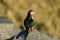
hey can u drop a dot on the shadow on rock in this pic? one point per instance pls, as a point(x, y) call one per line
point(20, 36)
point(10, 38)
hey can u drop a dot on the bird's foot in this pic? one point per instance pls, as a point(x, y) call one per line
point(33, 30)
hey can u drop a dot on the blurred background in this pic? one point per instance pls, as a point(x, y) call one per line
point(47, 18)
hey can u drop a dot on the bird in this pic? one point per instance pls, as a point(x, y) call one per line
point(29, 21)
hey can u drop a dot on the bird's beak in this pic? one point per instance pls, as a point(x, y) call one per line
point(34, 13)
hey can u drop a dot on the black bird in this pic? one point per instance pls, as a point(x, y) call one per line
point(29, 22)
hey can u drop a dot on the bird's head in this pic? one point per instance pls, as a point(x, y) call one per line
point(31, 12)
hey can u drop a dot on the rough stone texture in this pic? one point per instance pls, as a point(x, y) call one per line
point(38, 36)
point(7, 29)
point(30, 36)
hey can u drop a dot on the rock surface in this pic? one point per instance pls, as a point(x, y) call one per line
point(38, 36)
point(23, 35)
point(7, 29)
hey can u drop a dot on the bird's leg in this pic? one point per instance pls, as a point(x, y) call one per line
point(33, 30)
point(30, 29)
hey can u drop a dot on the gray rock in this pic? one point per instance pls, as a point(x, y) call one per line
point(23, 35)
point(33, 36)
point(4, 20)
point(7, 29)
point(38, 36)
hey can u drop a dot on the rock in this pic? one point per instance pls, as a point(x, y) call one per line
point(38, 36)
point(23, 35)
point(7, 29)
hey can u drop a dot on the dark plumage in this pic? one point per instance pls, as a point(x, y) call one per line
point(28, 22)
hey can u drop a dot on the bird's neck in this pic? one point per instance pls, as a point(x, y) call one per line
point(29, 16)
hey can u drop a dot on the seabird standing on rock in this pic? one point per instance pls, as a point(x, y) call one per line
point(29, 22)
